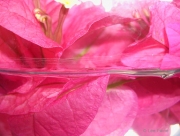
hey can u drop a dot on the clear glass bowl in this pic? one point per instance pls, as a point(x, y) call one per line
point(73, 68)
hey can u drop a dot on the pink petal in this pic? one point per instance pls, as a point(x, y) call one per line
point(6, 56)
point(176, 2)
point(175, 110)
point(4, 128)
point(31, 96)
point(173, 33)
point(170, 62)
point(169, 116)
point(83, 24)
point(18, 53)
point(70, 114)
point(163, 13)
point(90, 50)
point(116, 114)
point(155, 94)
point(20, 15)
point(145, 54)
point(17, 84)
point(152, 125)
point(17, 16)
point(80, 19)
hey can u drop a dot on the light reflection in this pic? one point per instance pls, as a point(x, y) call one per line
point(131, 133)
point(174, 130)
point(95, 2)
point(109, 4)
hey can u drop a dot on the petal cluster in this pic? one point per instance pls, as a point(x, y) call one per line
point(131, 35)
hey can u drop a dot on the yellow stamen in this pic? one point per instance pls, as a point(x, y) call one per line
point(136, 14)
point(58, 32)
point(42, 17)
point(147, 15)
point(146, 12)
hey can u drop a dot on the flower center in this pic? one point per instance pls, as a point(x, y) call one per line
point(142, 24)
point(46, 22)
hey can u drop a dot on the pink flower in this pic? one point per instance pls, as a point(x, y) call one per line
point(26, 28)
point(35, 33)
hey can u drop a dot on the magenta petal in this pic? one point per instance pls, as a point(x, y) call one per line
point(163, 13)
point(80, 23)
point(170, 62)
point(175, 110)
point(4, 128)
point(17, 84)
point(17, 16)
point(32, 96)
point(90, 50)
point(173, 33)
point(177, 3)
point(152, 125)
point(18, 53)
point(117, 112)
point(70, 115)
point(6, 56)
point(145, 54)
point(156, 94)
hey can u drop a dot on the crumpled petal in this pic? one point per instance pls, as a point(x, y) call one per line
point(70, 114)
point(148, 53)
point(10, 55)
point(163, 14)
point(32, 96)
point(117, 112)
point(91, 52)
point(155, 94)
point(152, 125)
point(17, 84)
point(18, 53)
point(80, 22)
point(17, 16)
